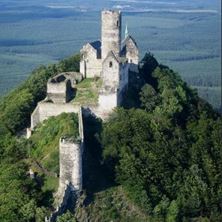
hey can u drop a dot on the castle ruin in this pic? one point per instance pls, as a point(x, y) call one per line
point(111, 60)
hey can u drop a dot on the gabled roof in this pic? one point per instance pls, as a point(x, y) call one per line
point(116, 58)
point(96, 45)
point(111, 54)
point(124, 44)
point(128, 38)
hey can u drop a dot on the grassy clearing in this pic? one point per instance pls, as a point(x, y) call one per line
point(87, 92)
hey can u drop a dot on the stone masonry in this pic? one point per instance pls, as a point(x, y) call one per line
point(111, 59)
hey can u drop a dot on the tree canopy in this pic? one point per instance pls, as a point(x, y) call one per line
point(167, 153)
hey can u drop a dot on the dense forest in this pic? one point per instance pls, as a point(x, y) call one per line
point(157, 158)
point(167, 153)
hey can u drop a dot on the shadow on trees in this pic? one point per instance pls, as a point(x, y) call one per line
point(138, 79)
point(95, 175)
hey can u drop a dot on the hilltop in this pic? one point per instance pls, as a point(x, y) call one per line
point(157, 158)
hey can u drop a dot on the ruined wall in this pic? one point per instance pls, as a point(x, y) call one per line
point(90, 65)
point(107, 102)
point(111, 32)
point(70, 161)
point(62, 205)
point(44, 110)
point(81, 127)
point(59, 92)
point(56, 87)
point(114, 72)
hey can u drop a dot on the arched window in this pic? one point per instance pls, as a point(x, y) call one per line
point(110, 64)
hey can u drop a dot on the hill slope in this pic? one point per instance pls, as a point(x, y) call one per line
point(23, 199)
point(156, 159)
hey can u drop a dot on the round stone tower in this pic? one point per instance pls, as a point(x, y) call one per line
point(111, 32)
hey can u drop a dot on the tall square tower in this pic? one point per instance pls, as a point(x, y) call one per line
point(111, 32)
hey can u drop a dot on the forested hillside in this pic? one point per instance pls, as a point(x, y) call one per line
point(167, 154)
point(158, 158)
point(23, 199)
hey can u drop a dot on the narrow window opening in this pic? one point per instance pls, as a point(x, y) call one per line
point(117, 23)
point(110, 64)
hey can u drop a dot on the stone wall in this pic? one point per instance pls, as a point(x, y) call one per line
point(110, 72)
point(56, 87)
point(90, 65)
point(63, 204)
point(81, 127)
point(70, 165)
point(132, 52)
point(70, 162)
point(124, 76)
point(111, 32)
point(59, 92)
point(45, 109)
point(107, 102)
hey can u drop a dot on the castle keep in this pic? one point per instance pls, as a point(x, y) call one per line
point(111, 60)
point(94, 54)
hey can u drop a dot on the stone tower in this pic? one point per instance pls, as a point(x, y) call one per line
point(111, 32)
point(70, 154)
